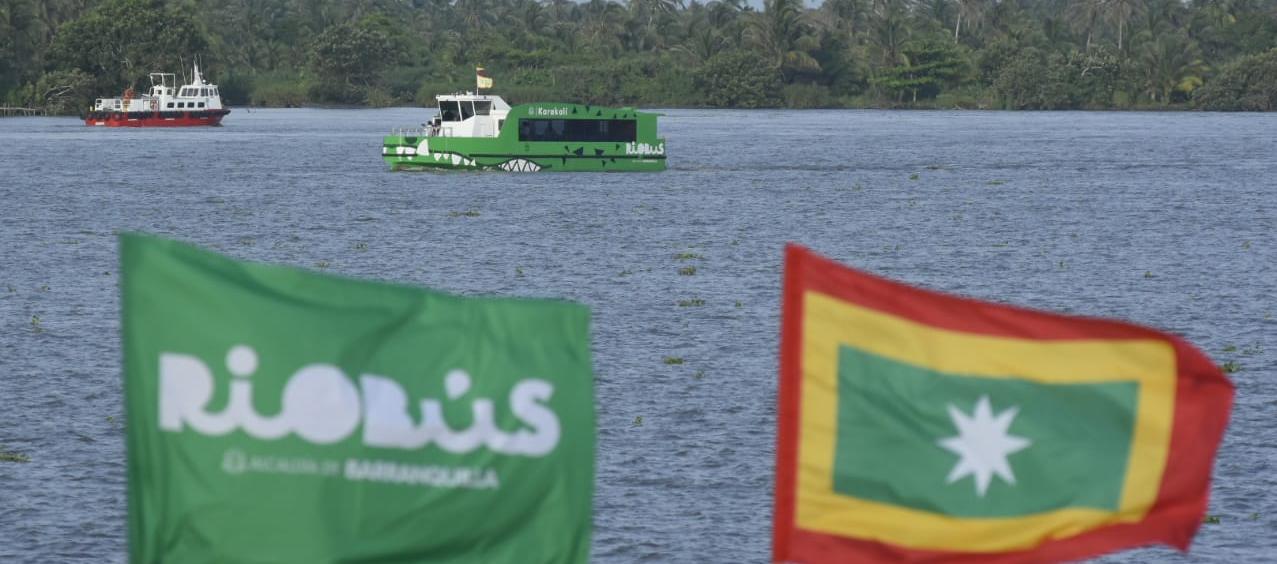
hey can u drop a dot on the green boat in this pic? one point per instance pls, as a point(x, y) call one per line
point(482, 132)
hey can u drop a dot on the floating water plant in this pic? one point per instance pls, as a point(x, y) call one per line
point(6, 456)
point(518, 271)
point(699, 375)
point(913, 176)
point(687, 271)
point(1245, 244)
point(688, 256)
point(247, 241)
point(35, 324)
point(638, 421)
point(1254, 516)
point(673, 360)
point(1230, 348)
point(467, 213)
point(934, 167)
point(321, 264)
point(1211, 519)
point(1254, 349)
point(996, 182)
point(737, 303)
point(361, 246)
point(694, 302)
point(1230, 367)
point(625, 272)
point(1148, 274)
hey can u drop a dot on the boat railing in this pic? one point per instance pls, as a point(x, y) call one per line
point(418, 132)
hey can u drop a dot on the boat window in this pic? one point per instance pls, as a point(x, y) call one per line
point(449, 111)
point(201, 104)
point(181, 104)
point(482, 107)
point(170, 104)
point(203, 92)
point(577, 130)
point(467, 111)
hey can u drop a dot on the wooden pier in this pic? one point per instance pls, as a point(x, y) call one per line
point(6, 111)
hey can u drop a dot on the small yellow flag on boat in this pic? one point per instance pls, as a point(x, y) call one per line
point(481, 78)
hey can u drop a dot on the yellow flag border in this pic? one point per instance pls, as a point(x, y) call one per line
point(829, 322)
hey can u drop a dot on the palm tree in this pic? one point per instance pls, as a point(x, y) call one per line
point(972, 10)
point(1119, 12)
point(726, 16)
point(851, 16)
point(477, 15)
point(601, 24)
point(781, 32)
point(1083, 16)
point(890, 29)
point(1170, 61)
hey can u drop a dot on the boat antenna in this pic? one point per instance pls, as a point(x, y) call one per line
point(182, 62)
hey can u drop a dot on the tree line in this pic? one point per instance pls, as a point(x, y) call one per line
point(1014, 54)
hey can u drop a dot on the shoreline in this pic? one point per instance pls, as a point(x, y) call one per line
point(40, 112)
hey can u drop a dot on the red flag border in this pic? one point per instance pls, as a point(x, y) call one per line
point(1203, 401)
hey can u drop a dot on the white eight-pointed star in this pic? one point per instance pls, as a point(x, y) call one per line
point(983, 444)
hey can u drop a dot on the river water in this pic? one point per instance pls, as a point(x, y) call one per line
point(1163, 219)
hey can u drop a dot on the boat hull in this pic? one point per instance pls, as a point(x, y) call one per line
point(413, 153)
point(156, 119)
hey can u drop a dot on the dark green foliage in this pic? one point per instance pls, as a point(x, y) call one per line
point(62, 91)
point(1034, 81)
point(1033, 54)
point(121, 41)
point(348, 60)
point(739, 80)
point(925, 69)
point(1248, 84)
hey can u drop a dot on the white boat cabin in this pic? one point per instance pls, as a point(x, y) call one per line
point(164, 96)
point(468, 115)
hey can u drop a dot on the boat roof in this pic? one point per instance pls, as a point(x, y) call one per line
point(465, 96)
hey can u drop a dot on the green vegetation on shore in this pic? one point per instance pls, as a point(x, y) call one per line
point(1016, 54)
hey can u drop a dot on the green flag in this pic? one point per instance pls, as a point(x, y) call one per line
point(278, 415)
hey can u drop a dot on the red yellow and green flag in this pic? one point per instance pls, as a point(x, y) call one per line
point(922, 427)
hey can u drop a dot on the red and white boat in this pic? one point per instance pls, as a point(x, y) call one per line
point(197, 103)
